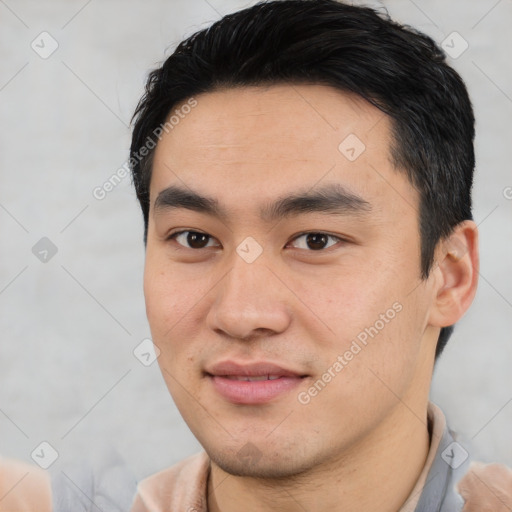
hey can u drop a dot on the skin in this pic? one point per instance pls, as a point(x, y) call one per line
point(360, 443)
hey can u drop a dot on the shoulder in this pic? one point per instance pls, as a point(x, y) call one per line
point(486, 487)
point(457, 482)
point(174, 487)
point(24, 487)
point(102, 479)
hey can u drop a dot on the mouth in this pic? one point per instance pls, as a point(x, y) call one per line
point(254, 383)
point(251, 379)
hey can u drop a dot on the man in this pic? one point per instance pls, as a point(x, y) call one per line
point(309, 247)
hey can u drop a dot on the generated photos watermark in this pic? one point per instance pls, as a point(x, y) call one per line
point(101, 191)
point(357, 345)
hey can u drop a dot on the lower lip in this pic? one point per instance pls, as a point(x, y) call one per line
point(253, 392)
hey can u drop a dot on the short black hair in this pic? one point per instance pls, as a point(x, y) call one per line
point(354, 49)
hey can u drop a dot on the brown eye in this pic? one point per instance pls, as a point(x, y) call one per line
point(316, 241)
point(191, 239)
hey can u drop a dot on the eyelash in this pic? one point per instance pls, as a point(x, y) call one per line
point(173, 236)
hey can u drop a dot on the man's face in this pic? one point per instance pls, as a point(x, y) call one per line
point(324, 296)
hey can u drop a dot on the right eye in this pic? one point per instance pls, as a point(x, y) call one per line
point(195, 239)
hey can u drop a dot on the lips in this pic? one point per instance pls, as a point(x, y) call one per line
point(254, 383)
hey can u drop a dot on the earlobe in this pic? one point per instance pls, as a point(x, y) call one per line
point(457, 268)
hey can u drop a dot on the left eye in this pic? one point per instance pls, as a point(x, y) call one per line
point(314, 241)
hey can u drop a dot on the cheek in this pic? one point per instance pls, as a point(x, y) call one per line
point(168, 299)
point(347, 299)
point(373, 369)
point(375, 321)
point(390, 356)
point(174, 303)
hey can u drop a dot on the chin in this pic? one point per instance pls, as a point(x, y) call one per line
point(260, 470)
point(250, 462)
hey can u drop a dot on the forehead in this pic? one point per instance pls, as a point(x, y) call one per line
point(256, 118)
point(266, 141)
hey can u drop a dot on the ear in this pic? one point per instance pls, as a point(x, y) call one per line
point(457, 275)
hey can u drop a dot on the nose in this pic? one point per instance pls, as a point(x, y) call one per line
point(250, 302)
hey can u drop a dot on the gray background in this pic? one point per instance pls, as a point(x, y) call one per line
point(69, 326)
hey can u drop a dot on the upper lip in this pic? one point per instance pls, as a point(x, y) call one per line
point(256, 369)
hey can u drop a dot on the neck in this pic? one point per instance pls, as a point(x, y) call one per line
point(377, 474)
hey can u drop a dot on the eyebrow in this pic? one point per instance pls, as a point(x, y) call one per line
point(330, 199)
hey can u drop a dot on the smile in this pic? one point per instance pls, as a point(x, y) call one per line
point(252, 383)
point(252, 379)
